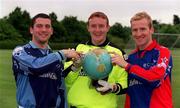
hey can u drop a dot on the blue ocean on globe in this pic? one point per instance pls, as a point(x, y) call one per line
point(97, 64)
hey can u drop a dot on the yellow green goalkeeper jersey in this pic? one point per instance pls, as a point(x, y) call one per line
point(82, 94)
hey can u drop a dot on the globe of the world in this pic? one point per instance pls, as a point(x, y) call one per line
point(97, 64)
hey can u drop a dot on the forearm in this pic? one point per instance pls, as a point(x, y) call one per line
point(120, 77)
point(28, 63)
point(153, 74)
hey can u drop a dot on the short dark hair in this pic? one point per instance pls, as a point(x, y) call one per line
point(40, 15)
point(100, 15)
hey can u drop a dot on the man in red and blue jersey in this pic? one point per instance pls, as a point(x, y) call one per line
point(149, 68)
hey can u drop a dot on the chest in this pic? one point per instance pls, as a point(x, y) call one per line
point(145, 59)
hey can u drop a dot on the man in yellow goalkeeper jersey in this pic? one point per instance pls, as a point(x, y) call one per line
point(81, 90)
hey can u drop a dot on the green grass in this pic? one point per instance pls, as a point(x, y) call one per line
point(176, 77)
point(7, 83)
point(8, 88)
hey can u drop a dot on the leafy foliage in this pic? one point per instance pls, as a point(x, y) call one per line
point(8, 32)
point(76, 30)
point(15, 28)
point(20, 20)
point(176, 20)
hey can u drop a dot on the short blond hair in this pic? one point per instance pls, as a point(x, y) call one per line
point(142, 15)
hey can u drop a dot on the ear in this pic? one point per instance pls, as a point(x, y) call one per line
point(108, 27)
point(87, 28)
point(31, 30)
point(52, 31)
point(152, 30)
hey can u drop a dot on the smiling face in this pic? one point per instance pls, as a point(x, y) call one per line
point(98, 26)
point(98, 29)
point(41, 31)
point(142, 31)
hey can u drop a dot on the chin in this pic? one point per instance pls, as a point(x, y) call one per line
point(43, 42)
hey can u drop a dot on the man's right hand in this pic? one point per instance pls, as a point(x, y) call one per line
point(118, 60)
point(77, 63)
point(71, 53)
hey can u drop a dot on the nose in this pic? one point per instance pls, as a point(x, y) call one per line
point(138, 33)
point(97, 29)
point(43, 28)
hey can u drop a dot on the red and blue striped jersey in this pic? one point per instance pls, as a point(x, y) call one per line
point(149, 78)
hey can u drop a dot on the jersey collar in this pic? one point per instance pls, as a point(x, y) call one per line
point(141, 53)
point(150, 47)
point(101, 45)
point(35, 46)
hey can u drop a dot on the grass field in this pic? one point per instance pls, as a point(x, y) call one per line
point(8, 89)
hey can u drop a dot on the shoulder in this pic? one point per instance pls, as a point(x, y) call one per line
point(116, 49)
point(164, 51)
point(80, 46)
point(20, 49)
point(17, 50)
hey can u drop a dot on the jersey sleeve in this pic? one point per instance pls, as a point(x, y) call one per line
point(120, 76)
point(157, 72)
point(27, 62)
point(71, 76)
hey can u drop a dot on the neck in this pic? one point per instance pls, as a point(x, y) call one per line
point(41, 45)
point(145, 46)
point(99, 42)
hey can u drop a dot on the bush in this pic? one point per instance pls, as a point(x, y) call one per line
point(118, 42)
point(9, 44)
point(58, 46)
point(55, 46)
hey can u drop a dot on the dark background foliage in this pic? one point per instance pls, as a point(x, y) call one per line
point(14, 30)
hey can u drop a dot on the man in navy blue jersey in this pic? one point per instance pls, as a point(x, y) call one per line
point(38, 71)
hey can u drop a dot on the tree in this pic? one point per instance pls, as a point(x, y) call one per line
point(167, 28)
point(76, 30)
point(20, 20)
point(8, 32)
point(59, 31)
point(119, 31)
point(176, 20)
point(156, 26)
point(53, 17)
point(167, 40)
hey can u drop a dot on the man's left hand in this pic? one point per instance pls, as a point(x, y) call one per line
point(105, 87)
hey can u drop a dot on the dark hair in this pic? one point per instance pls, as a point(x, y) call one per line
point(100, 15)
point(40, 15)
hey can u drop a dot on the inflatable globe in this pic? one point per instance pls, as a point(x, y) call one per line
point(97, 64)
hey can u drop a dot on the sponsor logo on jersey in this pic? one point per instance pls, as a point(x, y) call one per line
point(134, 82)
point(49, 75)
